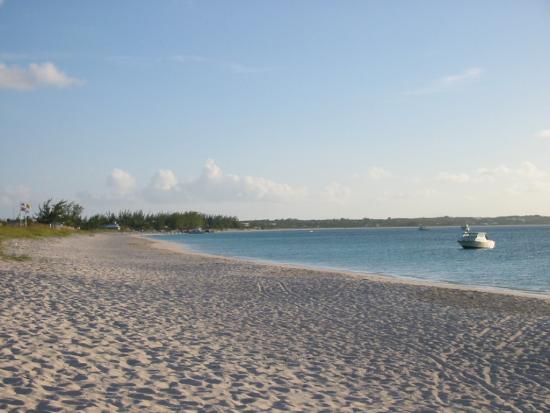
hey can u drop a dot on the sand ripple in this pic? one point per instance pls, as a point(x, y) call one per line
point(107, 323)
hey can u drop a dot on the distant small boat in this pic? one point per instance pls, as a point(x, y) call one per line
point(475, 240)
point(423, 228)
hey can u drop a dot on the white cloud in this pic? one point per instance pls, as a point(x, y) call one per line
point(525, 178)
point(164, 187)
point(489, 175)
point(189, 59)
point(121, 182)
point(526, 170)
point(470, 74)
point(529, 188)
point(460, 178)
point(530, 171)
point(376, 172)
point(449, 82)
point(492, 172)
point(337, 192)
point(36, 75)
point(213, 184)
point(163, 180)
point(451, 192)
point(543, 134)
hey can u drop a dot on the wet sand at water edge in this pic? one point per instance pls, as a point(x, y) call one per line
point(113, 322)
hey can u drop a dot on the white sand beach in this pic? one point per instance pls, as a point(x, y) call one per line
point(110, 323)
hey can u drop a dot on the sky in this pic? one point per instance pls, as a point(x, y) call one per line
point(275, 109)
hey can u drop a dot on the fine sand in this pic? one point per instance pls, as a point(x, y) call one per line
point(109, 323)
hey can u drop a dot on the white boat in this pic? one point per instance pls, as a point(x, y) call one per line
point(472, 240)
point(114, 226)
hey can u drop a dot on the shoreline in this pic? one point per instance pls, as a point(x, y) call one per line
point(376, 277)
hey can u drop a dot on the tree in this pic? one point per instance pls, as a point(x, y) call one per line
point(61, 212)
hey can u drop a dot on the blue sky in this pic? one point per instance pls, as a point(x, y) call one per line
point(310, 109)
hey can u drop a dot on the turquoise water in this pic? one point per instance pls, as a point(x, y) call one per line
point(520, 261)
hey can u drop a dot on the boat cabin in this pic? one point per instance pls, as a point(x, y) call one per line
point(475, 236)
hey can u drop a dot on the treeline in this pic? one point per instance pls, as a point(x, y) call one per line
point(396, 222)
point(70, 214)
point(162, 221)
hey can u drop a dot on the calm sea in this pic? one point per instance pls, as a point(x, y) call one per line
point(520, 260)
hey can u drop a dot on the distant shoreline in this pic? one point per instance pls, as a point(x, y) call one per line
point(341, 228)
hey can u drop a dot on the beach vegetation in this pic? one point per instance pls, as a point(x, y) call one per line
point(69, 213)
point(31, 231)
point(161, 221)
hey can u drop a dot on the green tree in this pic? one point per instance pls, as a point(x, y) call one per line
point(60, 212)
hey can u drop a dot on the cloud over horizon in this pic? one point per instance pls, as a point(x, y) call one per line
point(543, 134)
point(36, 75)
point(458, 178)
point(163, 180)
point(121, 182)
point(441, 193)
point(526, 176)
point(376, 172)
point(212, 185)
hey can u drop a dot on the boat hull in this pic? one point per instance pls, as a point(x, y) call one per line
point(489, 244)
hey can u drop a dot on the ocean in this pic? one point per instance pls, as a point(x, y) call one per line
point(520, 260)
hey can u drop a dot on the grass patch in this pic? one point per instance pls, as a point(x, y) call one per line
point(11, 257)
point(32, 231)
